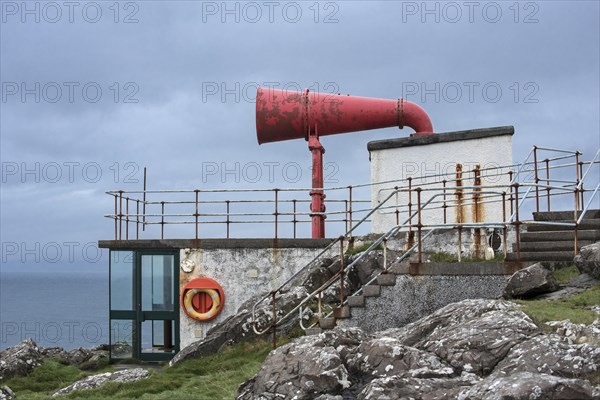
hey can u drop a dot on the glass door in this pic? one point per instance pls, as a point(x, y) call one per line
point(159, 308)
point(144, 312)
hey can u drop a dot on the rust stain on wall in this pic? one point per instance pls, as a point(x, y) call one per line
point(458, 195)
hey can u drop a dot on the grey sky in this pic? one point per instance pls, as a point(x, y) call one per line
point(175, 61)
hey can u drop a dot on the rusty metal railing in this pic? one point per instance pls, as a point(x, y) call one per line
point(511, 193)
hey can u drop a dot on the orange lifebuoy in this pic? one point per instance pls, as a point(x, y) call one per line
point(202, 299)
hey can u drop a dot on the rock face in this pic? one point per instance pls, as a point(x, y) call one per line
point(471, 350)
point(6, 393)
point(21, 359)
point(94, 381)
point(577, 333)
point(588, 260)
point(529, 282)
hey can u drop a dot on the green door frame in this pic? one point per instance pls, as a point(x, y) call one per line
point(137, 315)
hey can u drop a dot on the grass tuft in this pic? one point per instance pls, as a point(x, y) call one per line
point(564, 275)
point(443, 257)
point(572, 308)
point(213, 377)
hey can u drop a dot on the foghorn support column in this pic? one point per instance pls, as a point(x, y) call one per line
point(317, 204)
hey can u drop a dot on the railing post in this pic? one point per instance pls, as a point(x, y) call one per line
point(274, 315)
point(397, 211)
point(517, 222)
point(228, 220)
point(445, 206)
point(419, 226)
point(459, 252)
point(547, 161)
point(342, 267)
point(126, 218)
point(120, 214)
point(162, 219)
point(294, 220)
point(137, 219)
point(144, 204)
point(575, 234)
point(511, 198)
point(351, 238)
point(116, 217)
point(276, 212)
point(346, 215)
point(581, 190)
point(196, 213)
point(385, 254)
point(577, 178)
point(410, 216)
point(504, 223)
point(536, 180)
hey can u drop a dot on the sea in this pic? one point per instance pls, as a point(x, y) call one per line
point(53, 305)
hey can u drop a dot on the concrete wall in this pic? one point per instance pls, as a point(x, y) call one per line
point(244, 268)
point(438, 154)
point(414, 297)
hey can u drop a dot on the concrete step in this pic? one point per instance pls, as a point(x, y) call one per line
point(564, 215)
point(356, 301)
point(563, 245)
point(588, 235)
point(371, 290)
point(586, 224)
point(386, 279)
point(542, 256)
point(327, 323)
point(341, 312)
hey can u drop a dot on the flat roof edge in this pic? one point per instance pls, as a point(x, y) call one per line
point(440, 138)
point(255, 243)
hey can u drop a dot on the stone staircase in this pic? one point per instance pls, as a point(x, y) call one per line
point(373, 290)
point(555, 243)
point(389, 298)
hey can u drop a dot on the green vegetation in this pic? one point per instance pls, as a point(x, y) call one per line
point(572, 308)
point(443, 257)
point(213, 377)
point(355, 250)
point(564, 275)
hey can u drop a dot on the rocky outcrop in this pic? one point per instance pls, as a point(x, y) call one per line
point(471, 350)
point(531, 281)
point(6, 393)
point(588, 260)
point(577, 333)
point(21, 359)
point(95, 381)
point(528, 385)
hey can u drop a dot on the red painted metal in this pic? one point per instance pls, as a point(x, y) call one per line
point(286, 115)
point(317, 195)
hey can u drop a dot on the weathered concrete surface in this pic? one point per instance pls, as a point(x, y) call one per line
point(243, 272)
point(438, 154)
point(414, 297)
point(95, 381)
point(471, 350)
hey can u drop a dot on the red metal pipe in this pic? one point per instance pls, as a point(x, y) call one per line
point(317, 195)
point(286, 115)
